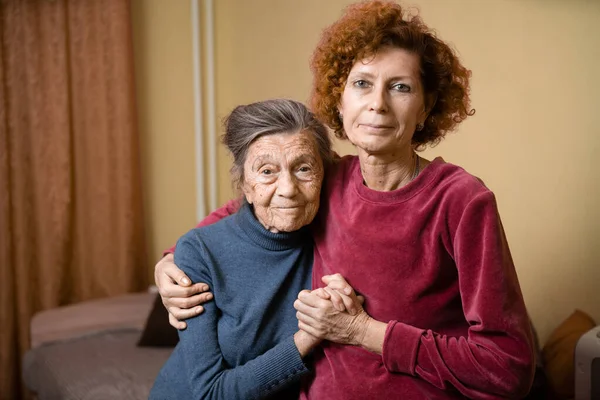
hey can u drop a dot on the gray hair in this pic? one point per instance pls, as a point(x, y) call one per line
point(247, 123)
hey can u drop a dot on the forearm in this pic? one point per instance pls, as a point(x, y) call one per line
point(493, 356)
point(270, 372)
point(373, 337)
point(479, 365)
point(305, 343)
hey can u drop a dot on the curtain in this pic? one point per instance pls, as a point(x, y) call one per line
point(71, 225)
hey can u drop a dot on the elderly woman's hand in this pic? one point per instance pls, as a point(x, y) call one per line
point(181, 298)
point(336, 288)
point(318, 317)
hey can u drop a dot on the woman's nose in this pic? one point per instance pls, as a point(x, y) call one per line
point(287, 185)
point(378, 100)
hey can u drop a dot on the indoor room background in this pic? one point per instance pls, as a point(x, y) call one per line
point(532, 140)
point(110, 118)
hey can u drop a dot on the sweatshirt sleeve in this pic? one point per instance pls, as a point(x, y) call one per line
point(208, 374)
point(496, 357)
point(228, 209)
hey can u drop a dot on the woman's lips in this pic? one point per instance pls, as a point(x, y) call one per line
point(289, 208)
point(377, 127)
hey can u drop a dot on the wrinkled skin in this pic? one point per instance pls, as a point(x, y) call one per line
point(283, 174)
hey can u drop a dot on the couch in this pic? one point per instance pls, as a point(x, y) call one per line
point(89, 351)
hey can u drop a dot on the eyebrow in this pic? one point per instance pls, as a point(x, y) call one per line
point(265, 159)
point(261, 160)
point(367, 74)
point(304, 158)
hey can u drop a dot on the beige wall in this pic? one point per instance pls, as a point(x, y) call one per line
point(531, 140)
point(164, 83)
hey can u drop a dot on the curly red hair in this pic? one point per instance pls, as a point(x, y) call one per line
point(364, 28)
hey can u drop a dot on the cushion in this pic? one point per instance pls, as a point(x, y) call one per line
point(128, 311)
point(158, 332)
point(559, 353)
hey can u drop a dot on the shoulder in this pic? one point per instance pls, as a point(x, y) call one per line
point(455, 183)
point(461, 195)
point(204, 234)
point(194, 249)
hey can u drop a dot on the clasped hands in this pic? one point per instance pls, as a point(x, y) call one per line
point(333, 313)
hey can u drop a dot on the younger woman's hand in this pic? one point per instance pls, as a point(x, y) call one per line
point(342, 295)
point(181, 298)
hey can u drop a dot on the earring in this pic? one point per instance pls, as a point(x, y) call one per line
point(420, 127)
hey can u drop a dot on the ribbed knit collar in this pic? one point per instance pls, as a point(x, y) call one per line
point(248, 223)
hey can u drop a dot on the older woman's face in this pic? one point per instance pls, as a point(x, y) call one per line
point(283, 174)
point(383, 101)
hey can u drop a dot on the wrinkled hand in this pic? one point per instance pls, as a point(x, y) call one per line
point(320, 318)
point(336, 288)
point(305, 342)
point(181, 298)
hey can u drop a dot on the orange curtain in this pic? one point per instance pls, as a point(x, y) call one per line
point(71, 224)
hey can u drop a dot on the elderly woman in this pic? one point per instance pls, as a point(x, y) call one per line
point(422, 240)
point(247, 345)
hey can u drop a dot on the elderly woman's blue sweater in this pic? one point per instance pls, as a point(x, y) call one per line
point(242, 346)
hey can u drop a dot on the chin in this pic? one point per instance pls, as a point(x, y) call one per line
point(290, 221)
point(288, 227)
point(375, 145)
point(292, 225)
point(378, 148)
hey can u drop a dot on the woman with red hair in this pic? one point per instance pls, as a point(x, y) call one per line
point(421, 240)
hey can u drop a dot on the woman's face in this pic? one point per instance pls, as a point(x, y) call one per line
point(282, 180)
point(383, 101)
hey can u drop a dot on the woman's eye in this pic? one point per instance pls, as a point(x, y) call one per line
point(266, 171)
point(401, 87)
point(304, 168)
point(361, 83)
